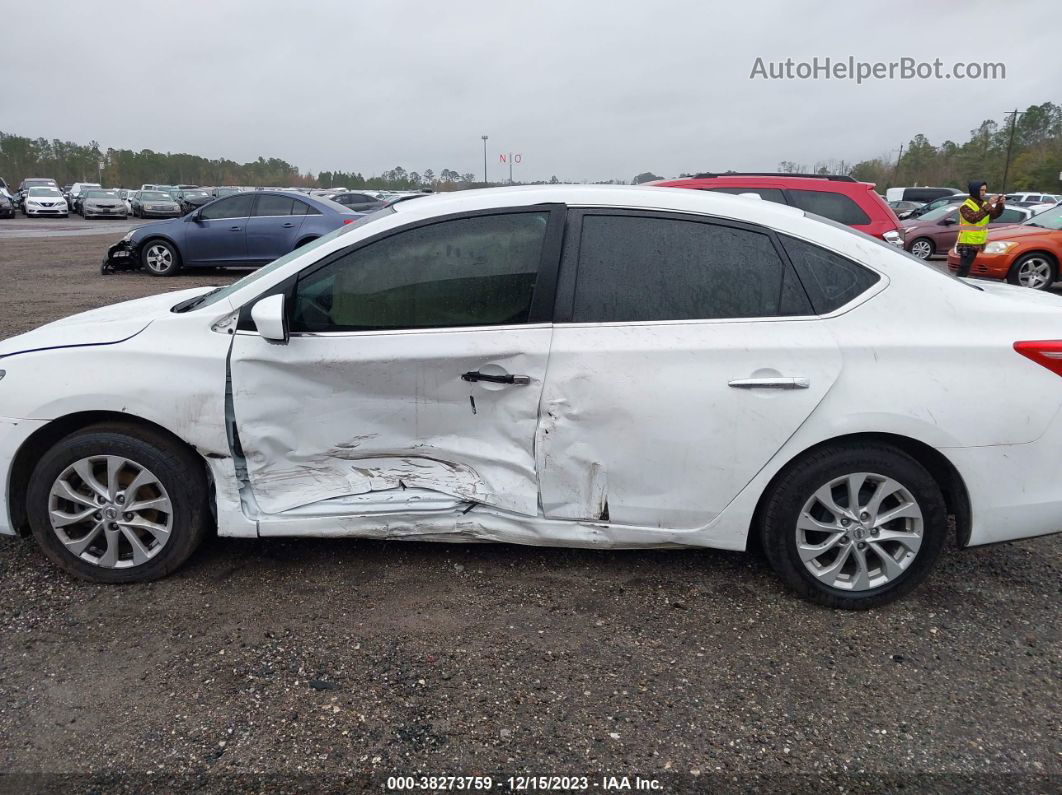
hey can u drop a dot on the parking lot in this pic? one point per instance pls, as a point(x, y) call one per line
point(361, 659)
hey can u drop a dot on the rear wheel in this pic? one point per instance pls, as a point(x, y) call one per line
point(922, 248)
point(854, 526)
point(1036, 271)
point(160, 258)
point(115, 503)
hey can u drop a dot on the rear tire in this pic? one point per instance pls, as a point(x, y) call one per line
point(118, 542)
point(854, 557)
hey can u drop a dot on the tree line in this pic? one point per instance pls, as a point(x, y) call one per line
point(1035, 163)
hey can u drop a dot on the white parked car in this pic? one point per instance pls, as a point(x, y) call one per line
point(45, 201)
point(573, 366)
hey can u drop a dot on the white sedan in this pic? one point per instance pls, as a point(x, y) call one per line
point(572, 366)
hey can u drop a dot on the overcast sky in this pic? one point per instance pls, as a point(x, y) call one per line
point(585, 90)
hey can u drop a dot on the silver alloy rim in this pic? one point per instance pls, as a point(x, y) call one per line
point(1035, 272)
point(159, 258)
point(110, 511)
point(859, 531)
point(921, 249)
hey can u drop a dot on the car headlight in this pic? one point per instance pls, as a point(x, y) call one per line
point(999, 246)
point(128, 236)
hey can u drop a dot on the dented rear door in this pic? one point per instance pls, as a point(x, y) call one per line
point(413, 374)
point(684, 356)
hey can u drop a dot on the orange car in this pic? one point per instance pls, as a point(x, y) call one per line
point(1028, 254)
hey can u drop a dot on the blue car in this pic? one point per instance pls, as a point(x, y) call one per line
point(246, 230)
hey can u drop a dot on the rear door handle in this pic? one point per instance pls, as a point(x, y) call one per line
point(476, 375)
point(234, 228)
point(770, 383)
point(288, 225)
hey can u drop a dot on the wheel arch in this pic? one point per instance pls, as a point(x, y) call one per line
point(159, 236)
point(304, 240)
point(45, 438)
point(952, 486)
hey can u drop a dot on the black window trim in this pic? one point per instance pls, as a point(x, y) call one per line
point(569, 265)
point(542, 300)
point(859, 298)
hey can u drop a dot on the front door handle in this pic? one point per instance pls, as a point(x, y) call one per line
point(770, 383)
point(476, 375)
point(234, 229)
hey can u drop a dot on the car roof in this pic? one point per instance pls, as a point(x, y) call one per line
point(740, 181)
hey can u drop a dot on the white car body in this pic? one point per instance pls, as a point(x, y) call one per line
point(627, 435)
point(37, 203)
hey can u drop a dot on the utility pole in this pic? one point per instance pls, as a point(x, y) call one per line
point(484, 160)
point(1010, 145)
point(896, 170)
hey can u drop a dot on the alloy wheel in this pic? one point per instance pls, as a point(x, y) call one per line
point(922, 249)
point(1035, 272)
point(158, 258)
point(859, 531)
point(110, 511)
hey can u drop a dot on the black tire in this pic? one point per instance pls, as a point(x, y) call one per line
point(303, 242)
point(174, 258)
point(799, 482)
point(176, 468)
point(1014, 275)
point(930, 251)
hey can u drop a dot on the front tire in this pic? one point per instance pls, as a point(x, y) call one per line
point(922, 248)
point(854, 526)
point(1035, 270)
point(160, 258)
point(116, 503)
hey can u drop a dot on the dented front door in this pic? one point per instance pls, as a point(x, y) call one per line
point(355, 410)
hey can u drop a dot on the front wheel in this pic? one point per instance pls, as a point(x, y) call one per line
point(922, 248)
point(160, 258)
point(116, 503)
point(854, 526)
point(1035, 271)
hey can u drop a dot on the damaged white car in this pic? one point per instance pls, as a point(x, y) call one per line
point(573, 366)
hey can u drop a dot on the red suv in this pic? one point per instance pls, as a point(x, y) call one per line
point(838, 198)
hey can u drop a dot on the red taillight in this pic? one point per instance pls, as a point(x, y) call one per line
point(348, 221)
point(1044, 352)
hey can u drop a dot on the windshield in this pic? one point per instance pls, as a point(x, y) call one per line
point(31, 182)
point(224, 292)
point(101, 194)
point(155, 196)
point(937, 214)
point(52, 192)
point(1048, 219)
point(195, 194)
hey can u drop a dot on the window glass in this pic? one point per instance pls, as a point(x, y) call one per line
point(831, 280)
point(477, 271)
point(273, 205)
point(767, 194)
point(638, 268)
point(835, 206)
point(1010, 216)
point(299, 208)
point(233, 207)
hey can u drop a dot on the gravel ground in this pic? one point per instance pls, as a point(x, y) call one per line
point(306, 665)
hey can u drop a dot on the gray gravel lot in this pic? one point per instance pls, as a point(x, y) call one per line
point(333, 664)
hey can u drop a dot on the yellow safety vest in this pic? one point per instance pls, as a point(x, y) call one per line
point(972, 234)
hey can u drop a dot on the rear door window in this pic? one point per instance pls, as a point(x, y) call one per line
point(835, 206)
point(635, 268)
point(232, 207)
point(273, 205)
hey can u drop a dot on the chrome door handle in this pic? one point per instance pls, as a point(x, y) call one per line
point(770, 383)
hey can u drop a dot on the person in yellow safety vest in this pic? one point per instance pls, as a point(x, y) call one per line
point(974, 216)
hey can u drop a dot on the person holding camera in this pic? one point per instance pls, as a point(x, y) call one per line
point(974, 216)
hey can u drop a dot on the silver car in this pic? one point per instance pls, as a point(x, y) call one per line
point(103, 204)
